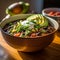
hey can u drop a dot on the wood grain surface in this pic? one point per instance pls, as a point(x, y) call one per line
point(52, 52)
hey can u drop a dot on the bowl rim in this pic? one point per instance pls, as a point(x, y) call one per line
point(29, 37)
point(53, 8)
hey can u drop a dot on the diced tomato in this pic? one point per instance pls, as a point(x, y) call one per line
point(33, 35)
point(54, 13)
point(51, 13)
point(17, 34)
point(57, 13)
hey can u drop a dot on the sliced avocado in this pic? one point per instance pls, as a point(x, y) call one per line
point(40, 19)
point(45, 23)
point(17, 8)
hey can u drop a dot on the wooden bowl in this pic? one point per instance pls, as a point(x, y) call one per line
point(28, 44)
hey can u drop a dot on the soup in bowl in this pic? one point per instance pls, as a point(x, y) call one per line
point(28, 32)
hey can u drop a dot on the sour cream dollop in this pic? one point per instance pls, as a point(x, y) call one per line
point(28, 23)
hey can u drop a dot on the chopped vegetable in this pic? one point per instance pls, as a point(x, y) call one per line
point(17, 34)
point(54, 13)
point(33, 26)
point(33, 35)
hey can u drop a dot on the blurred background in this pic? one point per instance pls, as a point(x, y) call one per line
point(36, 5)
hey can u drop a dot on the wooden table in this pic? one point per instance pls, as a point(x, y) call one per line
point(52, 52)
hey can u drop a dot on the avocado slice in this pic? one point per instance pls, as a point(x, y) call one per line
point(17, 8)
point(40, 19)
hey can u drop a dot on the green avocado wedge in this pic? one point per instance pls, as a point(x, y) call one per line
point(24, 7)
point(39, 19)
